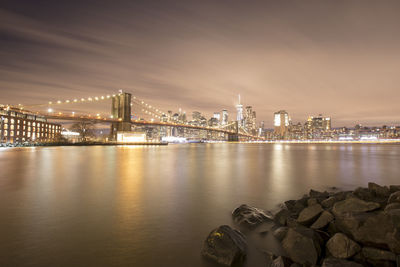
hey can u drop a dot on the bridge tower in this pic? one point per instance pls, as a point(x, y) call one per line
point(234, 137)
point(121, 110)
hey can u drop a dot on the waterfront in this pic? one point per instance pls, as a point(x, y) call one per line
point(154, 206)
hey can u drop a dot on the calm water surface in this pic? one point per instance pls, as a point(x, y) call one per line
point(154, 206)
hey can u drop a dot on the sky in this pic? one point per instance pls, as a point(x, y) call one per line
point(337, 58)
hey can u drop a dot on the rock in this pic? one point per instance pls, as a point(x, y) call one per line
point(378, 254)
point(302, 245)
point(353, 205)
point(296, 265)
point(281, 216)
point(280, 232)
point(379, 191)
point(328, 203)
point(291, 222)
point(394, 197)
point(393, 206)
point(309, 214)
point(312, 201)
point(317, 194)
point(342, 247)
point(281, 262)
point(398, 260)
point(323, 220)
point(250, 217)
point(363, 193)
point(332, 262)
point(295, 206)
point(225, 246)
point(376, 228)
point(394, 188)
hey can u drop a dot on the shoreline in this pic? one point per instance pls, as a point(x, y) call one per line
point(353, 228)
point(383, 142)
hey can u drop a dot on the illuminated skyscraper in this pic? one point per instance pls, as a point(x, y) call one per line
point(217, 116)
point(281, 123)
point(224, 117)
point(239, 110)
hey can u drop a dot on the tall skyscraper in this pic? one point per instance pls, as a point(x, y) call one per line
point(281, 123)
point(224, 117)
point(239, 112)
point(217, 116)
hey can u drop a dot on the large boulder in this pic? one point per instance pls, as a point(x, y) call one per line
point(280, 232)
point(309, 214)
point(394, 197)
point(342, 247)
point(332, 262)
point(317, 194)
point(225, 246)
point(250, 217)
point(353, 205)
point(380, 229)
point(302, 245)
point(379, 191)
point(374, 254)
point(281, 216)
point(323, 220)
point(328, 203)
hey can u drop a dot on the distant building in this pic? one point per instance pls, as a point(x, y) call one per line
point(239, 112)
point(224, 117)
point(281, 123)
point(217, 116)
point(17, 127)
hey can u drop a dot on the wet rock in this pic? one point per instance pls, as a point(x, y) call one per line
point(394, 197)
point(309, 214)
point(393, 206)
point(375, 228)
point(342, 247)
point(379, 191)
point(363, 193)
point(312, 201)
point(328, 203)
point(302, 245)
point(281, 262)
point(353, 205)
point(250, 217)
point(375, 254)
point(317, 194)
point(291, 222)
point(323, 220)
point(332, 262)
point(280, 232)
point(225, 246)
point(281, 216)
point(394, 188)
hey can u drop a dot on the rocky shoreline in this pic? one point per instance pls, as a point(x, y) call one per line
point(330, 229)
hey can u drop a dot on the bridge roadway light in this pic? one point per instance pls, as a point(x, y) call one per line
point(50, 110)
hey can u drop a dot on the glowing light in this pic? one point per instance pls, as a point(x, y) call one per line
point(102, 97)
point(96, 98)
point(82, 99)
point(50, 110)
point(90, 99)
point(50, 103)
point(67, 101)
point(75, 100)
point(59, 101)
point(108, 96)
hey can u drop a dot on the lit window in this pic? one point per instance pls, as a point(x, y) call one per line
point(24, 122)
point(34, 124)
point(18, 121)
point(5, 120)
point(34, 128)
point(12, 127)
point(17, 132)
point(38, 125)
point(5, 133)
point(12, 121)
point(18, 127)
point(5, 126)
point(23, 133)
point(29, 129)
point(29, 123)
point(29, 134)
point(12, 133)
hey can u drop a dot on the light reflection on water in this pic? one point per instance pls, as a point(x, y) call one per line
point(154, 206)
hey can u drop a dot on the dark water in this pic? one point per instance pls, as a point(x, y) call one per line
point(154, 206)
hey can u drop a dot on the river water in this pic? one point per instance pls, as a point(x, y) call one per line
point(155, 205)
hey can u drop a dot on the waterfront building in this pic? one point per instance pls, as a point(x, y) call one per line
point(281, 124)
point(18, 126)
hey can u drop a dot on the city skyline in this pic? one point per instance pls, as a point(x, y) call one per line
point(306, 58)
